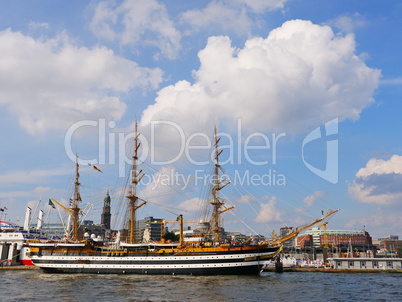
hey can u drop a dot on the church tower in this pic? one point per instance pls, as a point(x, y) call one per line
point(105, 218)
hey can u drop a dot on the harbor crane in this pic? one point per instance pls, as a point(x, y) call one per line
point(279, 241)
point(326, 245)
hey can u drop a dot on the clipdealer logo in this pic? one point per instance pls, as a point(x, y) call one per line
point(330, 173)
point(238, 148)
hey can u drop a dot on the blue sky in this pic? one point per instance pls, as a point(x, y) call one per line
point(287, 82)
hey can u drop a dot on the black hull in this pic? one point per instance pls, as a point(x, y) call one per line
point(252, 270)
point(243, 262)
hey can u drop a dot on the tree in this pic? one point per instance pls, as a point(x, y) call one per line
point(171, 236)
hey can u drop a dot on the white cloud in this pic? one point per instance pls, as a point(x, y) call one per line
point(383, 222)
point(219, 14)
point(191, 207)
point(391, 81)
point(246, 199)
point(363, 194)
point(11, 195)
point(51, 84)
point(162, 187)
point(268, 211)
point(10, 198)
point(378, 182)
point(138, 23)
point(38, 25)
point(32, 176)
point(300, 76)
point(380, 166)
point(260, 6)
point(233, 16)
point(348, 22)
point(172, 191)
point(311, 199)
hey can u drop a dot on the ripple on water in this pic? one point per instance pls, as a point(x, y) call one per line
point(37, 286)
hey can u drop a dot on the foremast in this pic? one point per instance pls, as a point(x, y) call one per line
point(217, 202)
point(75, 202)
point(135, 179)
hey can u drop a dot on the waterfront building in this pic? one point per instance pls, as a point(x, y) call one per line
point(149, 229)
point(337, 237)
point(366, 263)
point(304, 241)
point(53, 230)
point(57, 230)
point(284, 231)
point(390, 243)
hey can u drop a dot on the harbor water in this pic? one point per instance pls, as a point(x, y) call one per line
point(34, 285)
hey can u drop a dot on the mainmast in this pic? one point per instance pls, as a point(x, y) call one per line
point(135, 179)
point(217, 202)
point(76, 199)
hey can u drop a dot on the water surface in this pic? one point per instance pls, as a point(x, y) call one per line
point(38, 286)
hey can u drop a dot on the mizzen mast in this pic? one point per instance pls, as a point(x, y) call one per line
point(135, 179)
point(217, 202)
point(76, 199)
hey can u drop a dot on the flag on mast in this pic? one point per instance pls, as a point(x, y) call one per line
point(95, 167)
point(51, 204)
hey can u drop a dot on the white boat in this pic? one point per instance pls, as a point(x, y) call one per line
point(14, 249)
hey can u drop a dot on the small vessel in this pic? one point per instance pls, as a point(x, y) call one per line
point(14, 249)
point(207, 255)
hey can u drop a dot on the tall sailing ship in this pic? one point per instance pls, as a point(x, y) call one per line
point(208, 255)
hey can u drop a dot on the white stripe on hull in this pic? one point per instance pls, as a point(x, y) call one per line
point(149, 266)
